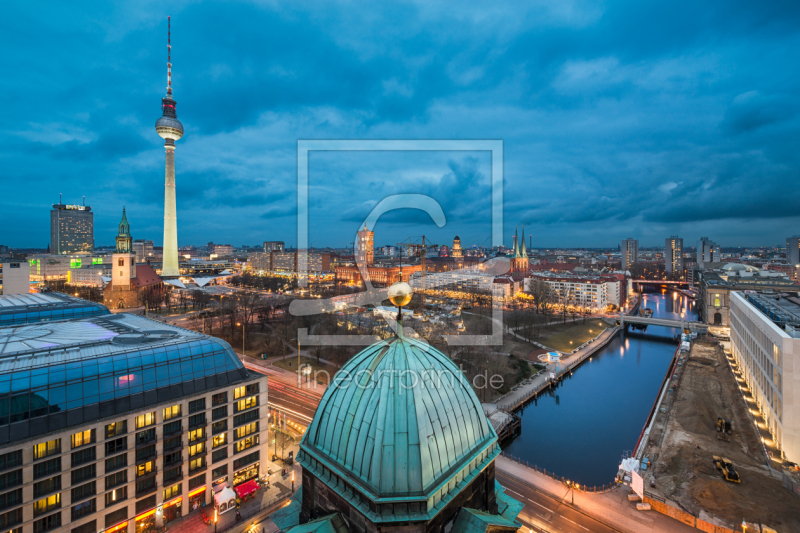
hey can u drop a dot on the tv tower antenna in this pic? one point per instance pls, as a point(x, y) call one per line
point(169, 56)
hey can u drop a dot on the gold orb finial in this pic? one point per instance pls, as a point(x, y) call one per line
point(400, 294)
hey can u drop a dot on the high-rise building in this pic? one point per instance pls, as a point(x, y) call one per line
point(793, 250)
point(673, 257)
point(170, 129)
point(707, 252)
point(455, 252)
point(71, 229)
point(274, 246)
point(364, 250)
point(143, 250)
point(629, 251)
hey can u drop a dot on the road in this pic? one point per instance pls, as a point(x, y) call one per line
point(547, 514)
point(298, 404)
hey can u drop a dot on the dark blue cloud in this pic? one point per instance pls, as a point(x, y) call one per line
point(626, 118)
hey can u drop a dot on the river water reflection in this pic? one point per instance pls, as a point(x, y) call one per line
point(581, 429)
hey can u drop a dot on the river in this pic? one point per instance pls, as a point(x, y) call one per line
point(580, 430)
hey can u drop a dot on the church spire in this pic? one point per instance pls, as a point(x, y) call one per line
point(524, 251)
point(124, 239)
point(516, 244)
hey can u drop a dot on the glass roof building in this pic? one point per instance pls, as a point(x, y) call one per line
point(19, 309)
point(60, 374)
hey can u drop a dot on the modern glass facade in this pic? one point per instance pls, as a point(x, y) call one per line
point(47, 307)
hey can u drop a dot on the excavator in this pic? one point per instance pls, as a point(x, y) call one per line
point(725, 466)
point(724, 426)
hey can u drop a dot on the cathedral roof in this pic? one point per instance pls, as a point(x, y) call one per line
point(400, 422)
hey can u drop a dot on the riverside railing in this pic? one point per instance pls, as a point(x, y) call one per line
point(584, 488)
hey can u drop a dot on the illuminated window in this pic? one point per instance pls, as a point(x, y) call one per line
point(47, 504)
point(145, 468)
point(238, 392)
point(172, 412)
point(246, 403)
point(82, 438)
point(145, 420)
point(197, 434)
point(197, 449)
point(246, 430)
point(244, 444)
point(117, 428)
point(44, 449)
point(219, 440)
point(172, 491)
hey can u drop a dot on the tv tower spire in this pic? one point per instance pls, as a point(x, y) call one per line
point(170, 129)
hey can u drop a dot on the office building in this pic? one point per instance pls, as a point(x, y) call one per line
point(793, 251)
point(717, 280)
point(379, 275)
point(273, 246)
point(71, 229)
point(143, 250)
point(392, 465)
point(21, 309)
point(765, 341)
point(364, 251)
point(125, 426)
point(170, 129)
point(707, 252)
point(673, 257)
point(15, 276)
point(288, 262)
point(629, 252)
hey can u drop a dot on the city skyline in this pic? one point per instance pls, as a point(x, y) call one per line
point(699, 115)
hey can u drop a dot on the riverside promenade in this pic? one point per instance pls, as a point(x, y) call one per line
point(516, 398)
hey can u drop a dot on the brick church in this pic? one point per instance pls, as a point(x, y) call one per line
point(130, 283)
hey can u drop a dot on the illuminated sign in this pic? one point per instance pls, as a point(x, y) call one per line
point(76, 207)
point(97, 260)
point(75, 263)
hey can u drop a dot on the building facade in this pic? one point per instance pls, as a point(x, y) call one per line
point(15, 276)
point(707, 252)
point(629, 251)
point(793, 251)
point(379, 276)
point(289, 262)
point(273, 246)
point(596, 292)
point(163, 413)
point(765, 341)
point(455, 251)
point(673, 257)
point(71, 229)
point(364, 247)
point(143, 250)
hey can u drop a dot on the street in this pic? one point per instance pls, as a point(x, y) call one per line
point(547, 514)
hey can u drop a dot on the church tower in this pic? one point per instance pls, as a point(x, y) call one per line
point(123, 267)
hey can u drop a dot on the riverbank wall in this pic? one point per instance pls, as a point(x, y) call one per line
point(571, 363)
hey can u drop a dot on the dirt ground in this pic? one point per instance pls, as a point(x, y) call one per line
point(683, 467)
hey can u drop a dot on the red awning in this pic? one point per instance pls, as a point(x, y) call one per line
point(246, 489)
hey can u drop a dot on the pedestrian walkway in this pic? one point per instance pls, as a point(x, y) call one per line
point(255, 510)
point(611, 508)
point(514, 398)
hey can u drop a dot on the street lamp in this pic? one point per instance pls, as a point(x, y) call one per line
point(292, 480)
point(215, 520)
point(238, 324)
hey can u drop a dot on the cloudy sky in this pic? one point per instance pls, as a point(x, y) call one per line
point(618, 119)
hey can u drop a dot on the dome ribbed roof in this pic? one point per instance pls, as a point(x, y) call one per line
point(399, 420)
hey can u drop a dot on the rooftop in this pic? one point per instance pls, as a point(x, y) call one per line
point(59, 374)
point(782, 309)
point(18, 309)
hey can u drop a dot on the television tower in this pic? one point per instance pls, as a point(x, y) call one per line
point(170, 129)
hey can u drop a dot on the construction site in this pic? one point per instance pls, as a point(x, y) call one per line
point(704, 452)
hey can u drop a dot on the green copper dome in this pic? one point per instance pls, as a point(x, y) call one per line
point(400, 422)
